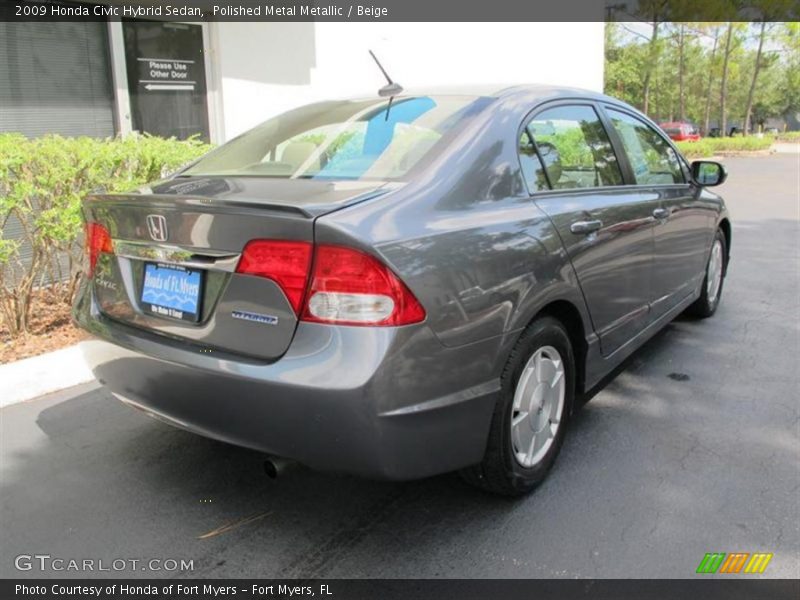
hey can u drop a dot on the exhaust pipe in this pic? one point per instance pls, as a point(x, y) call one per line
point(275, 465)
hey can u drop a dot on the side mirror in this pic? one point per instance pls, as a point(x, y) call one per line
point(708, 173)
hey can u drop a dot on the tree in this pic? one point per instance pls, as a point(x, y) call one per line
point(707, 113)
point(789, 88)
point(655, 11)
point(681, 71)
point(623, 66)
point(769, 9)
point(723, 88)
point(706, 69)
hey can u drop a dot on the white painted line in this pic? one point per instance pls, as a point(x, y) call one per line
point(153, 86)
point(31, 377)
point(162, 81)
point(191, 62)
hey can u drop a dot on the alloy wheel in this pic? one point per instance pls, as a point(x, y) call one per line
point(714, 273)
point(538, 406)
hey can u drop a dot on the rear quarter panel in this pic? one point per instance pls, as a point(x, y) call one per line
point(466, 237)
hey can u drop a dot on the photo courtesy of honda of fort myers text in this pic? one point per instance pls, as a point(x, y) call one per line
point(399, 299)
point(173, 590)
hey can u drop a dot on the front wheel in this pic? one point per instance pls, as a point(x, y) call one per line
point(706, 305)
point(530, 417)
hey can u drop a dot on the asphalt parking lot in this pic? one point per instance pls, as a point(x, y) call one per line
point(694, 447)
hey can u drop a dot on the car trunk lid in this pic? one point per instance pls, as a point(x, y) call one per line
point(176, 247)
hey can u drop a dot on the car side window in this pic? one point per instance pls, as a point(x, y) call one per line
point(575, 148)
point(652, 159)
point(532, 169)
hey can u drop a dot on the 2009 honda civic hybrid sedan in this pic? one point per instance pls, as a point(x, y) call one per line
point(400, 287)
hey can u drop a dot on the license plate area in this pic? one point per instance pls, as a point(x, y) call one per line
point(172, 292)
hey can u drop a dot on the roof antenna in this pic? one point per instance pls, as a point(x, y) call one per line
point(391, 89)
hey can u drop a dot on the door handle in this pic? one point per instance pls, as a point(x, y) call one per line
point(579, 227)
point(661, 213)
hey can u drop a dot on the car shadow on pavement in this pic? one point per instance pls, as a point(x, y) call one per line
point(107, 472)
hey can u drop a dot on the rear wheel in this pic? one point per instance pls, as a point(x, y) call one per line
point(530, 417)
point(706, 305)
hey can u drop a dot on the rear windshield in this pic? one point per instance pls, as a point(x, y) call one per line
point(344, 140)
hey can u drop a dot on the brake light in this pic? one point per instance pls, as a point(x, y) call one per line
point(285, 262)
point(97, 241)
point(352, 288)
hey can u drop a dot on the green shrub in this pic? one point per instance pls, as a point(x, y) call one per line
point(788, 136)
point(42, 182)
point(706, 147)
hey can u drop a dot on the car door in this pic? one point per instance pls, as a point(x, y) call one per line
point(605, 226)
point(682, 221)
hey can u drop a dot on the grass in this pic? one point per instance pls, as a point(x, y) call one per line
point(714, 146)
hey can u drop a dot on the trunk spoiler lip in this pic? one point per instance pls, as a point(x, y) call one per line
point(214, 204)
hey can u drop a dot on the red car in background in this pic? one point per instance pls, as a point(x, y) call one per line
point(680, 132)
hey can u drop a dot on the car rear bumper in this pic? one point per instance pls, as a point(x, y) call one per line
point(388, 403)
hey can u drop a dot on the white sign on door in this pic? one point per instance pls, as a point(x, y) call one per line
point(165, 74)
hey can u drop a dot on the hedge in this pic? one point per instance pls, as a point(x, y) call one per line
point(707, 147)
point(42, 182)
point(787, 136)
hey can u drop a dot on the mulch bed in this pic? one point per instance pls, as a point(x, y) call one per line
point(50, 329)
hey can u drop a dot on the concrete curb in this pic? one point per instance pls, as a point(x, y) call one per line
point(786, 147)
point(31, 377)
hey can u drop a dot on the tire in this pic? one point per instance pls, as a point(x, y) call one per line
point(507, 467)
point(706, 305)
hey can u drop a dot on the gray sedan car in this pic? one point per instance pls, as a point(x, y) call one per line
point(403, 287)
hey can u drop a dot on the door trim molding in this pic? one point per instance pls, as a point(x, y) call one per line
point(119, 74)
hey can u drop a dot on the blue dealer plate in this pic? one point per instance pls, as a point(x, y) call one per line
point(172, 291)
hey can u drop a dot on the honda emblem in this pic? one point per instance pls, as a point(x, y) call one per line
point(157, 226)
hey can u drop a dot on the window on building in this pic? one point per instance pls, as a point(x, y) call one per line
point(55, 77)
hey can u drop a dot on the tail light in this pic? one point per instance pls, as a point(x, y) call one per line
point(97, 241)
point(350, 287)
point(347, 287)
point(284, 262)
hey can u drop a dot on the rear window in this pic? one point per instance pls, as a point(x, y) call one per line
point(349, 140)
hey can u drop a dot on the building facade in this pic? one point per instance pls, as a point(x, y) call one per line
point(218, 79)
